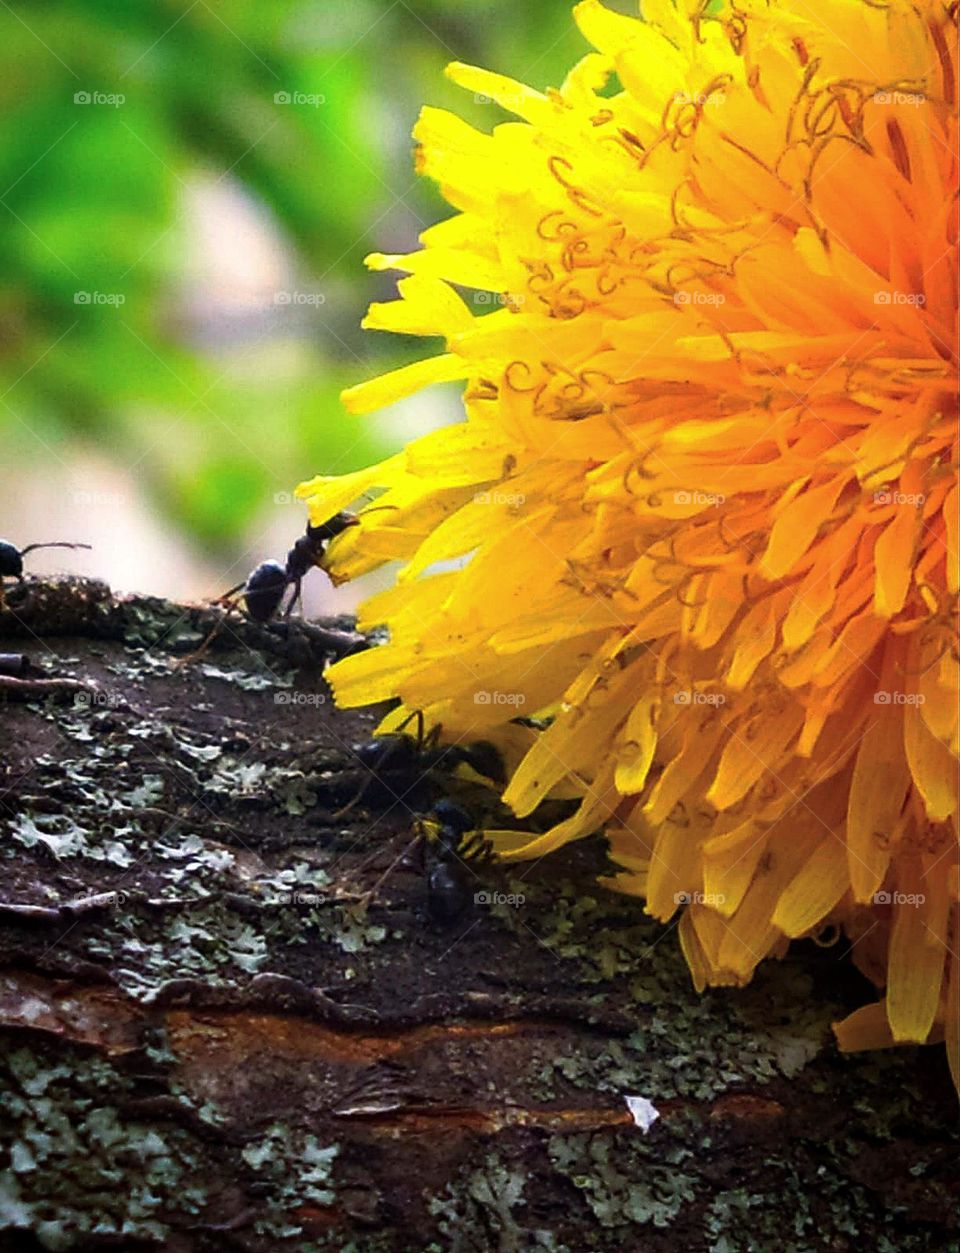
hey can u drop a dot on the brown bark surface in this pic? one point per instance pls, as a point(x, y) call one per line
point(209, 1043)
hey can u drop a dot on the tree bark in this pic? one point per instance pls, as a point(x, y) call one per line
point(213, 1040)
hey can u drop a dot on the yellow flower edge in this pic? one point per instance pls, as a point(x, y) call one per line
point(706, 480)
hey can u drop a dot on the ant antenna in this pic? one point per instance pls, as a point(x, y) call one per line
point(371, 893)
point(54, 544)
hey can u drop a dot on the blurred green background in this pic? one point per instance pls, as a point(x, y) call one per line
point(188, 191)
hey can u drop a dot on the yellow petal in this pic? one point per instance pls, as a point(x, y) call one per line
point(750, 933)
point(866, 1028)
point(952, 1025)
point(893, 556)
point(729, 864)
point(932, 765)
point(745, 760)
point(428, 306)
point(700, 969)
point(389, 388)
point(877, 790)
point(917, 950)
point(795, 528)
point(815, 890)
point(638, 744)
point(327, 495)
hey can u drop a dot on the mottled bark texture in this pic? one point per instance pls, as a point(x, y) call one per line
point(208, 1044)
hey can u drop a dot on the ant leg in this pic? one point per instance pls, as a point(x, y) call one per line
point(485, 853)
point(401, 727)
point(200, 652)
point(294, 598)
point(473, 847)
point(358, 796)
point(469, 845)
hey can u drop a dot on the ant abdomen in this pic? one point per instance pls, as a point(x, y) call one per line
point(448, 892)
point(264, 590)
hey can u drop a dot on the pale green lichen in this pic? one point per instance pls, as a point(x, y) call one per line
point(77, 1167)
point(488, 1199)
point(80, 1168)
point(623, 1180)
point(296, 1168)
point(730, 1038)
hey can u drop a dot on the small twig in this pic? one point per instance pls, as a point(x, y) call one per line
point(31, 913)
point(32, 689)
point(54, 914)
point(16, 665)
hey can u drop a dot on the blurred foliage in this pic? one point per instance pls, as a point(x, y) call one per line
point(117, 115)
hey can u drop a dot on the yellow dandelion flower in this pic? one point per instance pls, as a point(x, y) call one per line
point(700, 522)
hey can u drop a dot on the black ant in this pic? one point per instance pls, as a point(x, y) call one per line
point(398, 759)
point(448, 885)
point(445, 864)
point(263, 589)
point(11, 558)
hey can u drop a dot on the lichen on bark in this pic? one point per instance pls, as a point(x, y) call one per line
point(207, 1044)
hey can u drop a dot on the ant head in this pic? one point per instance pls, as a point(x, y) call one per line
point(452, 816)
point(332, 527)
